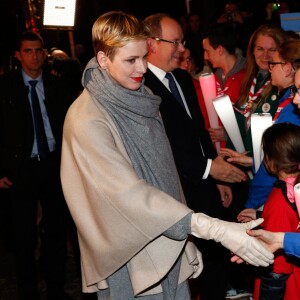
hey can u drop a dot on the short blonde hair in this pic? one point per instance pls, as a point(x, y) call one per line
point(114, 30)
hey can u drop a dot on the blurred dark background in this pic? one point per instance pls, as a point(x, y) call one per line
point(19, 15)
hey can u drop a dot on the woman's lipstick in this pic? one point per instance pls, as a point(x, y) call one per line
point(137, 79)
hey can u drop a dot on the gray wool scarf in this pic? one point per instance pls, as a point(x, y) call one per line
point(136, 116)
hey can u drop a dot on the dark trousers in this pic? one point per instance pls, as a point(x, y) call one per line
point(273, 286)
point(6, 219)
point(39, 182)
point(212, 283)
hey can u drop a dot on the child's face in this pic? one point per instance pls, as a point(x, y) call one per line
point(187, 62)
point(297, 84)
point(277, 71)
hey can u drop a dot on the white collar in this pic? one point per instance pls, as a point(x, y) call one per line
point(159, 73)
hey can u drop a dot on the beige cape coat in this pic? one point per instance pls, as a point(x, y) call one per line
point(120, 218)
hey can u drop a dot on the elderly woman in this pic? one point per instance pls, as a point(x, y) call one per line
point(121, 184)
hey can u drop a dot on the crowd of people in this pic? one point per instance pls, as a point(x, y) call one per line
point(118, 156)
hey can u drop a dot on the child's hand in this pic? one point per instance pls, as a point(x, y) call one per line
point(247, 215)
point(236, 157)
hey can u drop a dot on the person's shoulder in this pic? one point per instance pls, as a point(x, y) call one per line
point(4, 79)
point(182, 76)
point(11, 80)
point(240, 74)
point(57, 84)
point(148, 74)
point(50, 77)
point(10, 75)
point(78, 107)
point(83, 104)
point(86, 115)
point(181, 72)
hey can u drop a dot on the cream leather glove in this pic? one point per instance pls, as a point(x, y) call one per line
point(233, 236)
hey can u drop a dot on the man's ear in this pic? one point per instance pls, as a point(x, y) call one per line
point(221, 50)
point(152, 44)
point(102, 59)
point(18, 55)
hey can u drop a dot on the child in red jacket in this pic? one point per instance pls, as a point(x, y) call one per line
point(281, 145)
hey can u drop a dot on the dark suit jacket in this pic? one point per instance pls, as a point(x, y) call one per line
point(16, 126)
point(188, 137)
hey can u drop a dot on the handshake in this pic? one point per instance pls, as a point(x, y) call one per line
point(233, 236)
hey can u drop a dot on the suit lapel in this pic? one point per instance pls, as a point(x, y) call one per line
point(187, 91)
point(168, 100)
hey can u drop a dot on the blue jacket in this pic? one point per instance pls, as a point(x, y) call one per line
point(291, 243)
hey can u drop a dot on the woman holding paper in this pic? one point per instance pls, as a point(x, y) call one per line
point(257, 94)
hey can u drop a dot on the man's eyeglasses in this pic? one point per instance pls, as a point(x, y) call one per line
point(295, 90)
point(271, 64)
point(175, 43)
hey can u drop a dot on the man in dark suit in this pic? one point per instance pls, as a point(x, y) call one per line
point(29, 171)
point(199, 167)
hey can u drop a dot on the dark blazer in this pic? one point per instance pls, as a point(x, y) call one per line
point(16, 126)
point(190, 143)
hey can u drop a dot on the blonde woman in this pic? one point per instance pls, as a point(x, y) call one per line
point(121, 184)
